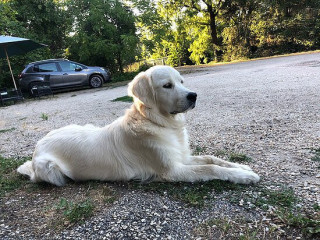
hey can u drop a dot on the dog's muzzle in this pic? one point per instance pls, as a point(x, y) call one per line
point(190, 104)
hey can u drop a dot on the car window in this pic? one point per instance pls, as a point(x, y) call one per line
point(29, 70)
point(46, 67)
point(69, 66)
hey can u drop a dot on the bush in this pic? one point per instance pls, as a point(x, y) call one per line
point(128, 76)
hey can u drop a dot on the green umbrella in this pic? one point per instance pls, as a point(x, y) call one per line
point(10, 46)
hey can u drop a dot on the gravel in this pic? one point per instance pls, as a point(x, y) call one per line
point(267, 109)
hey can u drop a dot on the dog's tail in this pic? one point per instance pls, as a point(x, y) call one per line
point(43, 171)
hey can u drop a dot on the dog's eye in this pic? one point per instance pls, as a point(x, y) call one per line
point(168, 85)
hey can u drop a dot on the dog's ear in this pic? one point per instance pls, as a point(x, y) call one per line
point(141, 91)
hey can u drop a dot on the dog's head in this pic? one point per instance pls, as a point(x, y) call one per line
point(161, 88)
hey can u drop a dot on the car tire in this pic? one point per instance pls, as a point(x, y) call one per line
point(95, 81)
point(31, 85)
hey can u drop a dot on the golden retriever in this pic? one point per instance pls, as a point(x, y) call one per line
point(149, 142)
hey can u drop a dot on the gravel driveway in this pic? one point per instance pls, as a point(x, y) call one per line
point(267, 109)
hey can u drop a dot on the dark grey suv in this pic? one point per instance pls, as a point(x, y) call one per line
point(62, 73)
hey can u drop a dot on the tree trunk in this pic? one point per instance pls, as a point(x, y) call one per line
point(212, 23)
point(120, 62)
point(213, 33)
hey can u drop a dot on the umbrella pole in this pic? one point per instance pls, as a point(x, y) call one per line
point(14, 82)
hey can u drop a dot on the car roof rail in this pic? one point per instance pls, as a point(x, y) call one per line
point(50, 60)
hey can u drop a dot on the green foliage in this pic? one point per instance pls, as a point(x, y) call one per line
point(10, 181)
point(201, 49)
point(123, 99)
point(122, 77)
point(75, 212)
point(44, 116)
point(104, 34)
point(227, 30)
point(191, 193)
point(239, 157)
point(7, 130)
point(284, 197)
point(109, 34)
point(45, 21)
point(310, 225)
point(198, 150)
point(316, 156)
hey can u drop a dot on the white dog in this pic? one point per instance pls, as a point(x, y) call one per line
point(149, 142)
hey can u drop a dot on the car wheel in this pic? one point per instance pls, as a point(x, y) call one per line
point(95, 81)
point(31, 85)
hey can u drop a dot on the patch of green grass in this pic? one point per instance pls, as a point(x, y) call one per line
point(223, 228)
point(239, 157)
point(9, 178)
point(193, 194)
point(263, 198)
point(44, 117)
point(220, 153)
point(199, 150)
point(284, 198)
point(7, 130)
point(284, 201)
point(316, 156)
point(123, 99)
point(39, 186)
point(110, 199)
point(109, 195)
point(309, 225)
point(76, 212)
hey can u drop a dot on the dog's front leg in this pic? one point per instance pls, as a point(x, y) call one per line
point(207, 159)
point(194, 173)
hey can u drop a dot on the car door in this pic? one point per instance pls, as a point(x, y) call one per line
point(72, 73)
point(50, 72)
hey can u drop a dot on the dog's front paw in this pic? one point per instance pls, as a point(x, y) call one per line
point(243, 177)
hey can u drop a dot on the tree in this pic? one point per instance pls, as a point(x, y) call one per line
point(104, 34)
point(163, 32)
point(45, 21)
point(210, 11)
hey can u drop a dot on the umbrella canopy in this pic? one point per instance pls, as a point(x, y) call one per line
point(10, 46)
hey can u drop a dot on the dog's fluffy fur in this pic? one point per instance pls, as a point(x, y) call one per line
point(149, 142)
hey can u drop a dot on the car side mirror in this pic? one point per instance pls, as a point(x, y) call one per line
point(78, 69)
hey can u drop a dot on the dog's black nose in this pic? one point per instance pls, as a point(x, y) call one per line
point(192, 96)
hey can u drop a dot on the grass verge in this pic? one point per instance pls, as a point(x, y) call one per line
point(7, 130)
point(282, 217)
point(123, 99)
point(9, 178)
point(194, 194)
point(239, 157)
point(75, 212)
